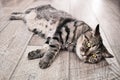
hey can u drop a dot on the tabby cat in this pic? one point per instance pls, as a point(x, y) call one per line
point(62, 32)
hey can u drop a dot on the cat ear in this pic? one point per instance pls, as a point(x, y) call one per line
point(97, 32)
point(106, 54)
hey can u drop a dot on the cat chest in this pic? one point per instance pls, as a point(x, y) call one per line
point(67, 37)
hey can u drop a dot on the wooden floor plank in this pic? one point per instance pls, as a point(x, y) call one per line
point(36, 40)
point(13, 40)
point(110, 26)
point(115, 5)
point(12, 48)
point(29, 69)
point(83, 11)
point(4, 21)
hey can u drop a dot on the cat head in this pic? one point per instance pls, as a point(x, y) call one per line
point(93, 47)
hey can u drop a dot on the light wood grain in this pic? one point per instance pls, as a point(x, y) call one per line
point(6, 11)
point(84, 11)
point(10, 50)
point(29, 69)
point(11, 45)
point(14, 47)
point(110, 26)
point(114, 5)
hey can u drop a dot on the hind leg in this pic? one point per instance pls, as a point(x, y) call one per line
point(16, 16)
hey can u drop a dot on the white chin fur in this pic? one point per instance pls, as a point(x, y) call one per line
point(78, 46)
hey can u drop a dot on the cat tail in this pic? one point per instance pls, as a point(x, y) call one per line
point(17, 16)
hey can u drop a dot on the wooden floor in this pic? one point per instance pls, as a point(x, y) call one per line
point(16, 41)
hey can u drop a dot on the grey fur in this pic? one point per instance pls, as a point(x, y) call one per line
point(62, 32)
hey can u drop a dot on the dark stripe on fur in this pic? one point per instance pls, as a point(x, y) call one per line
point(48, 40)
point(68, 32)
point(53, 46)
point(74, 31)
point(56, 38)
point(50, 55)
point(62, 24)
point(35, 31)
point(29, 10)
point(15, 13)
point(61, 39)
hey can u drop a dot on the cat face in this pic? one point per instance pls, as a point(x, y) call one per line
point(93, 47)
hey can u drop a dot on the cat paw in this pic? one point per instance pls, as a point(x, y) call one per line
point(34, 54)
point(44, 64)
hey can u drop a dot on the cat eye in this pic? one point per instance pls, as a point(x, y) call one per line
point(94, 56)
point(88, 44)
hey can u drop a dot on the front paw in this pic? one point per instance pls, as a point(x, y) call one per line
point(34, 54)
point(44, 63)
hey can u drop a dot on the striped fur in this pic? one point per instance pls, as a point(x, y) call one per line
point(62, 32)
